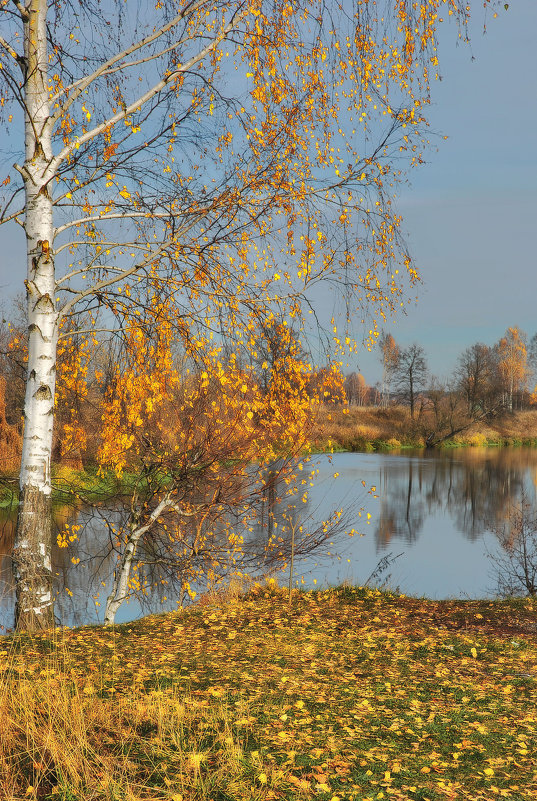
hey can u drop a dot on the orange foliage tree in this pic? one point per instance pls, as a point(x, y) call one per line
point(204, 444)
point(356, 389)
point(246, 148)
point(75, 354)
point(390, 354)
point(512, 363)
point(327, 385)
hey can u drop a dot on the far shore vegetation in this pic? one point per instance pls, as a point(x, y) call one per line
point(373, 428)
point(337, 427)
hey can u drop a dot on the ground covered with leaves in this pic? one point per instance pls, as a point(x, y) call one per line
point(342, 694)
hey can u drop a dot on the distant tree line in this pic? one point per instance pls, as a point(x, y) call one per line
point(487, 379)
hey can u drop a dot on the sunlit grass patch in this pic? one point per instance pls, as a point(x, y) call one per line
point(347, 693)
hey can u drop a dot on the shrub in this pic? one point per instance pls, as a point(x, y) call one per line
point(477, 440)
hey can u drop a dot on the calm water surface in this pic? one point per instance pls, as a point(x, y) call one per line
point(435, 512)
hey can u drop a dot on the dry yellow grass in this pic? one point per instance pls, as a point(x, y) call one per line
point(348, 426)
point(359, 427)
point(353, 427)
point(519, 425)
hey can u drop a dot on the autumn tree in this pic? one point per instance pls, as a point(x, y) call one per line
point(245, 149)
point(356, 389)
point(326, 385)
point(13, 357)
point(390, 354)
point(476, 376)
point(532, 357)
point(203, 447)
point(445, 413)
point(410, 375)
point(512, 364)
point(275, 344)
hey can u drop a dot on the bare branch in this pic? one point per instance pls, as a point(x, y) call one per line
point(14, 214)
point(140, 101)
point(80, 85)
point(105, 283)
point(88, 331)
point(138, 62)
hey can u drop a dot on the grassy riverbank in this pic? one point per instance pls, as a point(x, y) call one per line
point(72, 487)
point(344, 694)
point(352, 428)
point(361, 428)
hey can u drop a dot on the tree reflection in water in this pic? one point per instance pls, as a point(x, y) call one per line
point(472, 490)
point(286, 529)
point(476, 487)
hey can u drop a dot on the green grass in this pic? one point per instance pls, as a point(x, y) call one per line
point(344, 694)
point(74, 486)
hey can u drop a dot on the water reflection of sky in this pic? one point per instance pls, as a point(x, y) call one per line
point(433, 511)
point(436, 510)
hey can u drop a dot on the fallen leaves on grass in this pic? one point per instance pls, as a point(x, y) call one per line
point(348, 694)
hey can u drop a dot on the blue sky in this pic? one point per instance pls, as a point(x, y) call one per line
point(471, 212)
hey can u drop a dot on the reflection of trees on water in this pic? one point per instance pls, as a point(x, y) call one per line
point(402, 505)
point(486, 496)
point(476, 488)
point(289, 524)
point(7, 535)
point(84, 569)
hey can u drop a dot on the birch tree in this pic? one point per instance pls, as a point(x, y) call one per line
point(390, 354)
point(512, 363)
point(244, 149)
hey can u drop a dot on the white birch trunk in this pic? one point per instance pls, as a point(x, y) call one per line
point(32, 549)
point(120, 586)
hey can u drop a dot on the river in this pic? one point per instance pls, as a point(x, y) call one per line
point(432, 517)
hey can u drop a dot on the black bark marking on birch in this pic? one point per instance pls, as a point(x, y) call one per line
point(31, 289)
point(38, 150)
point(43, 393)
point(44, 304)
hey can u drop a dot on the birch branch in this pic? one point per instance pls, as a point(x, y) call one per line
point(82, 84)
point(139, 102)
point(22, 10)
point(116, 216)
point(102, 244)
point(12, 52)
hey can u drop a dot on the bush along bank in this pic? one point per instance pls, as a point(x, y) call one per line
point(347, 428)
